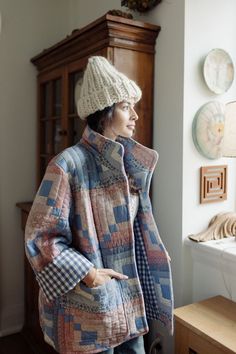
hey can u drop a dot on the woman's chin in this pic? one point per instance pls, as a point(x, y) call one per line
point(128, 134)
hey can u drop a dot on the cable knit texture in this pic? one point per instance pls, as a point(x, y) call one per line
point(102, 86)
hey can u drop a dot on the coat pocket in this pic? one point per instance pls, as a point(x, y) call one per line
point(99, 299)
point(93, 317)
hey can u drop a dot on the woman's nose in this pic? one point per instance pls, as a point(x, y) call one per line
point(133, 114)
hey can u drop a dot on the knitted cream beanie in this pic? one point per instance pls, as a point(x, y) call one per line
point(102, 86)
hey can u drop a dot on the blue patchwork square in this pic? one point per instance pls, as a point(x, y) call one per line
point(121, 213)
point(128, 270)
point(77, 326)
point(45, 188)
point(153, 238)
point(61, 311)
point(145, 227)
point(88, 336)
point(32, 248)
point(56, 211)
point(139, 321)
point(78, 223)
point(113, 228)
point(85, 234)
point(165, 289)
point(63, 164)
point(68, 318)
point(107, 237)
point(51, 202)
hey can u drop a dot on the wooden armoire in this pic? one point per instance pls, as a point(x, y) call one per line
point(130, 46)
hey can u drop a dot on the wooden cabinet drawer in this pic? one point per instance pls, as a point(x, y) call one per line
point(206, 327)
point(188, 342)
point(201, 346)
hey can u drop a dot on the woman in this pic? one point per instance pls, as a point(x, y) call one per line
point(91, 237)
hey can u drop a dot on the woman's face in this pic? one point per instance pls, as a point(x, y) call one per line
point(123, 121)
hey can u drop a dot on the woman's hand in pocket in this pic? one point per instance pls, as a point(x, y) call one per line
point(98, 277)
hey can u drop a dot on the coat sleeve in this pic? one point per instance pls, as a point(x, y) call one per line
point(48, 238)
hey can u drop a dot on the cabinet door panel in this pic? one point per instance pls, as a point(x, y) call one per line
point(45, 100)
point(75, 124)
point(58, 134)
point(75, 81)
point(78, 127)
point(51, 131)
point(56, 98)
point(46, 136)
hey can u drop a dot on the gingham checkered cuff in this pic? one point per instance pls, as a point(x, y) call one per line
point(62, 275)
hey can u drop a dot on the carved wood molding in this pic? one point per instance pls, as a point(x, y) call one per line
point(107, 31)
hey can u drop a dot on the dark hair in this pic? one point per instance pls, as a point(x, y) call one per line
point(97, 120)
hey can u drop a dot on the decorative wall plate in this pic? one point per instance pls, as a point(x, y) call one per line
point(208, 129)
point(229, 148)
point(218, 71)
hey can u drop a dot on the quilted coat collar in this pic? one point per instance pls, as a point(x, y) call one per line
point(120, 150)
point(124, 154)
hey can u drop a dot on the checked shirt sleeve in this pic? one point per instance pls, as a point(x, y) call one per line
point(48, 238)
point(61, 275)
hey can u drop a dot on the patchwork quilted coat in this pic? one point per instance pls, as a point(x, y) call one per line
point(81, 218)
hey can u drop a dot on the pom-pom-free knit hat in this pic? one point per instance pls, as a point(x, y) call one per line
point(102, 86)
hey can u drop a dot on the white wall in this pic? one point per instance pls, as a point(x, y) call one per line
point(83, 12)
point(168, 130)
point(208, 24)
point(28, 26)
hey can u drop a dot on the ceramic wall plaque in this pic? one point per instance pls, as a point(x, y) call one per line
point(229, 146)
point(208, 129)
point(218, 71)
